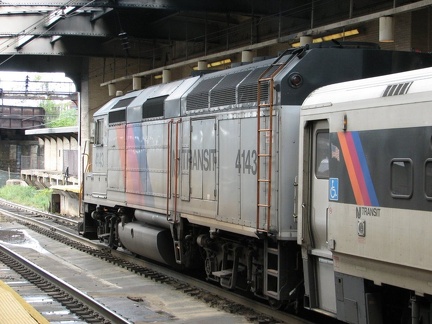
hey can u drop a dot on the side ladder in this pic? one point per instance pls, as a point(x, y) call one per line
point(265, 144)
point(282, 274)
point(280, 270)
point(272, 270)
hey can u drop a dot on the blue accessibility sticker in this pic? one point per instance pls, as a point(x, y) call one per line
point(334, 189)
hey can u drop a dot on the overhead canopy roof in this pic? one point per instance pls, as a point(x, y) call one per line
point(71, 131)
point(137, 27)
point(158, 30)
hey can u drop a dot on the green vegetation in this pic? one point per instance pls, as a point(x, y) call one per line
point(28, 196)
point(59, 115)
point(65, 118)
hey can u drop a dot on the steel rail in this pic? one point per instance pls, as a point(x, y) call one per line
point(72, 291)
point(196, 283)
point(259, 308)
point(52, 228)
point(38, 212)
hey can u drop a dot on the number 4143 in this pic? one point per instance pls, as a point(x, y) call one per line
point(246, 161)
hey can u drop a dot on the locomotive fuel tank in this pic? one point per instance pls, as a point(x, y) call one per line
point(149, 236)
point(151, 242)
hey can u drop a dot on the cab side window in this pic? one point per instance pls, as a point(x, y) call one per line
point(322, 155)
point(428, 179)
point(98, 136)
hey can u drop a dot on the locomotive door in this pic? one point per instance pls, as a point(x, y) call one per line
point(321, 257)
point(203, 159)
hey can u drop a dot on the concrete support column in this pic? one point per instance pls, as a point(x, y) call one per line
point(136, 83)
point(202, 65)
point(304, 40)
point(60, 145)
point(386, 29)
point(85, 119)
point(111, 89)
point(34, 156)
point(246, 56)
point(166, 76)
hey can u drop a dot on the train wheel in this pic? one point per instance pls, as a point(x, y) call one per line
point(276, 304)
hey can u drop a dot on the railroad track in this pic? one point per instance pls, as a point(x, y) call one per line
point(13, 208)
point(77, 302)
point(214, 295)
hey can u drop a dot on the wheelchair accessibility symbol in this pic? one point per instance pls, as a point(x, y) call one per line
point(333, 189)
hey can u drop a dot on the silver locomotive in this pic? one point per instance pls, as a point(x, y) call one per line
point(202, 172)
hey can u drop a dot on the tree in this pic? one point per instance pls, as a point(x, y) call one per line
point(59, 114)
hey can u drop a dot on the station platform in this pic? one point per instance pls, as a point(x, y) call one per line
point(15, 310)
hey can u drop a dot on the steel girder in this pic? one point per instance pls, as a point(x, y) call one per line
point(221, 6)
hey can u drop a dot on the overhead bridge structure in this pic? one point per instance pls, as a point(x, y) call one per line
point(107, 46)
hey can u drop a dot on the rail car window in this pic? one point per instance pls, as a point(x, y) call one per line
point(428, 179)
point(322, 155)
point(401, 181)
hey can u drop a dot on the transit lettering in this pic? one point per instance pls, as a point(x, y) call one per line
point(199, 159)
point(367, 211)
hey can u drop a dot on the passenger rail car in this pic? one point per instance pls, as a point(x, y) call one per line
point(366, 179)
point(202, 172)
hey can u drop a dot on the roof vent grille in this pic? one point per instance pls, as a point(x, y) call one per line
point(224, 93)
point(198, 98)
point(397, 89)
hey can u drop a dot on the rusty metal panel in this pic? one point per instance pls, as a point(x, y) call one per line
point(21, 117)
